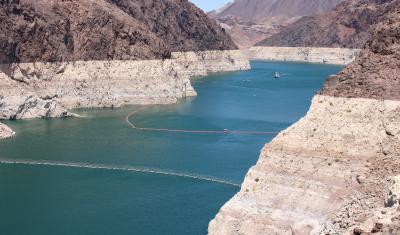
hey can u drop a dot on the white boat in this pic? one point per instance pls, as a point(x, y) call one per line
point(277, 75)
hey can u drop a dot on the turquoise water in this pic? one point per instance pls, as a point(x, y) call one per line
point(91, 183)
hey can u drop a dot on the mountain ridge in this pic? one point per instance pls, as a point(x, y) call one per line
point(250, 21)
point(55, 30)
point(350, 25)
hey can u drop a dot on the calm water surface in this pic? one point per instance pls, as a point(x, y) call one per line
point(48, 199)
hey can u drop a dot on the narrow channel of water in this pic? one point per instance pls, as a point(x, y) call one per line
point(98, 175)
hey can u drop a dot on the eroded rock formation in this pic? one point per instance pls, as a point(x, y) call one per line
point(49, 89)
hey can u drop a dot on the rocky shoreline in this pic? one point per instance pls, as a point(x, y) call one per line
point(338, 56)
point(337, 170)
point(320, 175)
point(36, 90)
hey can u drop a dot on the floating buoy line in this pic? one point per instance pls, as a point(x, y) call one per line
point(225, 131)
point(118, 168)
point(140, 169)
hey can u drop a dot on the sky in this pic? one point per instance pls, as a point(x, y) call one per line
point(208, 5)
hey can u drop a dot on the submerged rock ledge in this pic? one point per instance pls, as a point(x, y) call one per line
point(329, 173)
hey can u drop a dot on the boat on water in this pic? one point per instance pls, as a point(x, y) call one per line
point(277, 75)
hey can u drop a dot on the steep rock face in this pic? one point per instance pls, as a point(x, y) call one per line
point(45, 89)
point(376, 71)
point(319, 176)
point(5, 132)
point(49, 31)
point(350, 25)
point(56, 54)
point(55, 30)
point(250, 21)
point(336, 171)
point(181, 25)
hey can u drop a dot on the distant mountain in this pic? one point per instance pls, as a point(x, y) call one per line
point(350, 24)
point(60, 30)
point(249, 21)
point(215, 12)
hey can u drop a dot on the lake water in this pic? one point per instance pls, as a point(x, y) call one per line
point(82, 175)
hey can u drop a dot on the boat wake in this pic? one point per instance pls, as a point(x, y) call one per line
point(118, 168)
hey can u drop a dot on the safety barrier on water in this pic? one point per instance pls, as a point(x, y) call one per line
point(118, 168)
point(225, 132)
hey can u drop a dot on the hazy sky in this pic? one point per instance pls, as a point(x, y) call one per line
point(208, 5)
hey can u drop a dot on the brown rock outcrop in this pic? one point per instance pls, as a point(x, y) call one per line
point(376, 71)
point(56, 30)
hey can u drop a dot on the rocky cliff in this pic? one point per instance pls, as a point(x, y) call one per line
point(56, 55)
point(376, 72)
point(250, 21)
point(56, 30)
point(336, 171)
point(350, 25)
point(45, 89)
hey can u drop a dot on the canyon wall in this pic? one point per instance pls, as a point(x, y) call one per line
point(323, 175)
point(339, 56)
point(58, 31)
point(56, 55)
point(337, 170)
point(31, 90)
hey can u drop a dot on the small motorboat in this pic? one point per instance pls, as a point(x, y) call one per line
point(277, 75)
